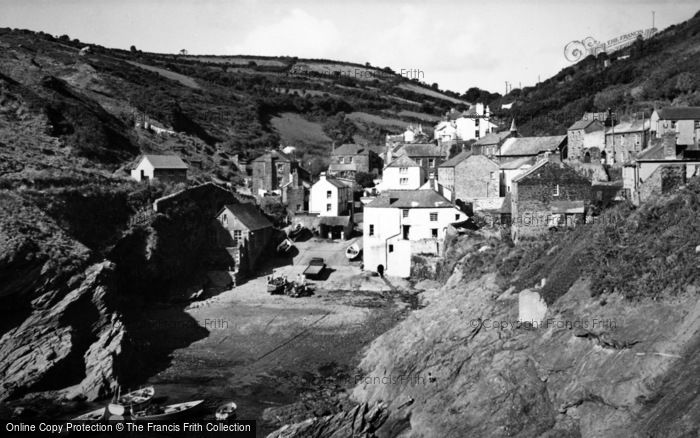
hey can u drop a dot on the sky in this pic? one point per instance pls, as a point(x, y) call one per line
point(457, 44)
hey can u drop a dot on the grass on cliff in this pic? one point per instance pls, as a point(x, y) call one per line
point(647, 252)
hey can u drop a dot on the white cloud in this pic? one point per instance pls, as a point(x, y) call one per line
point(295, 34)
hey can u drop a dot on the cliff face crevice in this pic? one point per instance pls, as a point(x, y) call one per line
point(72, 332)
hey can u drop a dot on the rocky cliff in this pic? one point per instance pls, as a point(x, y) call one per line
point(614, 355)
point(68, 307)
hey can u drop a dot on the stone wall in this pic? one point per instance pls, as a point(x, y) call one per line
point(476, 177)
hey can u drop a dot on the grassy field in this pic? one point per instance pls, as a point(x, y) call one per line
point(184, 80)
point(295, 130)
point(432, 93)
point(377, 120)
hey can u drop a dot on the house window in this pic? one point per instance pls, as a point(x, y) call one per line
point(224, 219)
point(433, 232)
point(697, 124)
point(403, 170)
point(371, 229)
point(673, 124)
point(391, 248)
point(298, 207)
point(403, 181)
point(329, 194)
point(476, 134)
point(431, 162)
point(405, 212)
point(433, 217)
point(328, 207)
point(237, 237)
point(457, 217)
point(556, 190)
point(348, 160)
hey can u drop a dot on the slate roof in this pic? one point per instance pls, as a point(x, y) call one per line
point(517, 163)
point(249, 215)
point(422, 150)
point(165, 161)
point(583, 124)
point(335, 182)
point(493, 138)
point(531, 145)
point(530, 171)
point(626, 127)
point(410, 199)
point(652, 153)
point(452, 162)
point(403, 161)
point(351, 149)
point(680, 113)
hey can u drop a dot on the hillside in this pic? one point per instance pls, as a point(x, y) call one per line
point(67, 110)
point(661, 71)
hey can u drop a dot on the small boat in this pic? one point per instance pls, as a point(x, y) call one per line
point(285, 246)
point(353, 251)
point(296, 232)
point(226, 411)
point(131, 400)
point(166, 412)
point(97, 414)
point(138, 397)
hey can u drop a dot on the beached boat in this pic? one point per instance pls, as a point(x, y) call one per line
point(285, 246)
point(296, 232)
point(97, 414)
point(354, 250)
point(226, 411)
point(131, 400)
point(138, 397)
point(167, 412)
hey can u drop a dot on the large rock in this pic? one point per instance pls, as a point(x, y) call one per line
point(70, 342)
point(465, 366)
point(362, 421)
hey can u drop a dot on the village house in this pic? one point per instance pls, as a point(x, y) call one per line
point(412, 134)
point(533, 147)
point(550, 195)
point(162, 167)
point(330, 197)
point(467, 125)
point(295, 193)
point(512, 168)
point(271, 171)
point(245, 233)
point(684, 122)
point(586, 141)
point(402, 174)
point(428, 155)
point(657, 170)
point(349, 159)
point(472, 179)
point(625, 140)
point(491, 143)
point(399, 224)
